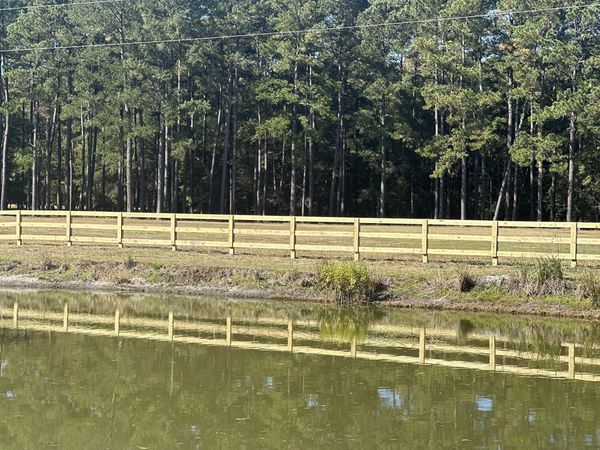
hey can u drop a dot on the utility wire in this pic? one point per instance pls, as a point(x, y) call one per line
point(59, 5)
point(489, 15)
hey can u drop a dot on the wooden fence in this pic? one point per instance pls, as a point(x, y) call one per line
point(390, 343)
point(360, 237)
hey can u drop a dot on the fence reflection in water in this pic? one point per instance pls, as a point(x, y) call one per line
point(391, 343)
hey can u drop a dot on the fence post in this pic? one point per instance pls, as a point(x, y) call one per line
point(422, 346)
point(174, 232)
point(18, 225)
point(66, 318)
point(571, 359)
point(356, 239)
point(171, 325)
point(68, 231)
point(120, 229)
point(494, 243)
point(425, 241)
point(231, 235)
point(353, 347)
point(117, 322)
point(290, 336)
point(574, 245)
point(493, 353)
point(293, 237)
point(16, 315)
point(228, 331)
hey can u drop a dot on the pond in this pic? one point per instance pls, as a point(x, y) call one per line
point(152, 372)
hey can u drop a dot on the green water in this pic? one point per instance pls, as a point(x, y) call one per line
point(76, 390)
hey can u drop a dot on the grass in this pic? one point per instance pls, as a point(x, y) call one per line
point(348, 281)
point(408, 280)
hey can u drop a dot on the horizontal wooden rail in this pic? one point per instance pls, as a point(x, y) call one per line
point(328, 235)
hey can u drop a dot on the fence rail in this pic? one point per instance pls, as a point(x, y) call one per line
point(353, 236)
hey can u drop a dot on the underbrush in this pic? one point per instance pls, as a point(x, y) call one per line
point(589, 287)
point(348, 282)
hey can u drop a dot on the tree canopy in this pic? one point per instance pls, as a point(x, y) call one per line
point(471, 109)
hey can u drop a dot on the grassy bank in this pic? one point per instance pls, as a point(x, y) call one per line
point(514, 288)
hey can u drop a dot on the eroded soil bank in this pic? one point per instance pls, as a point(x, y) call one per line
point(408, 284)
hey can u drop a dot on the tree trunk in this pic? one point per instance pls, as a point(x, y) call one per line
point(35, 176)
point(5, 131)
point(69, 143)
point(83, 164)
point(92, 144)
point(382, 159)
point(293, 147)
point(59, 164)
point(160, 166)
point(142, 167)
point(213, 158)
point(226, 143)
point(540, 190)
point(335, 173)
point(311, 151)
point(509, 141)
point(463, 188)
point(572, 162)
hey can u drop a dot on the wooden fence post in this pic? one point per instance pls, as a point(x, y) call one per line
point(353, 347)
point(171, 325)
point(290, 336)
point(16, 315)
point(494, 243)
point(356, 239)
point(425, 241)
point(66, 318)
point(18, 225)
point(493, 353)
point(293, 237)
point(231, 235)
point(571, 359)
point(68, 230)
point(422, 346)
point(228, 331)
point(574, 245)
point(174, 232)
point(120, 229)
point(117, 322)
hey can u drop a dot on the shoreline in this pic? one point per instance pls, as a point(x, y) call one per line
point(407, 282)
point(535, 307)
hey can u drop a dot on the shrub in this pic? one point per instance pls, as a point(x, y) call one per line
point(130, 262)
point(590, 287)
point(348, 281)
point(466, 282)
point(548, 269)
point(542, 277)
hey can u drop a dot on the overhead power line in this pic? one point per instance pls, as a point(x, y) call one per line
point(59, 5)
point(489, 15)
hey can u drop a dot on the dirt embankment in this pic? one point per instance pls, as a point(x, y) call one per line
point(130, 276)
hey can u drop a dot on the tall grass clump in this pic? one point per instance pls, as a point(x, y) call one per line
point(548, 269)
point(466, 281)
point(545, 276)
point(349, 282)
point(590, 287)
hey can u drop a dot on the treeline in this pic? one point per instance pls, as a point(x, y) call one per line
point(440, 115)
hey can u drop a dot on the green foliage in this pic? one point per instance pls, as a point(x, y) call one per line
point(466, 281)
point(377, 110)
point(130, 262)
point(347, 281)
point(548, 269)
point(590, 286)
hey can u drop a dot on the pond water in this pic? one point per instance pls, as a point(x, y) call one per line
point(233, 374)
